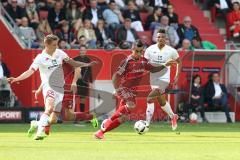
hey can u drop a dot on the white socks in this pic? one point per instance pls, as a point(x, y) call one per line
point(149, 112)
point(42, 123)
point(167, 108)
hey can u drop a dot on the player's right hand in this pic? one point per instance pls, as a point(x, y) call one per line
point(37, 93)
point(93, 63)
point(11, 80)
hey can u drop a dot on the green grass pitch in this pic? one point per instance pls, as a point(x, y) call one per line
point(76, 142)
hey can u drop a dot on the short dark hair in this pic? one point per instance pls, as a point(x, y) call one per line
point(195, 77)
point(162, 31)
point(236, 3)
point(138, 43)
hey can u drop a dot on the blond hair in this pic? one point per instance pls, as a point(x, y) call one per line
point(50, 38)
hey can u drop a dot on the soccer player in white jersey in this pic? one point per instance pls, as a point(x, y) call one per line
point(49, 63)
point(158, 54)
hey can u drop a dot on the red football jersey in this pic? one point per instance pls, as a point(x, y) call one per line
point(131, 71)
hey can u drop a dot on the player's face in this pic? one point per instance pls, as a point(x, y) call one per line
point(161, 38)
point(52, 46)
point(138, 51)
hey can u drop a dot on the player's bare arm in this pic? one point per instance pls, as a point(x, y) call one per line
point(178, 69)
point(77, 75)
point(23, 76)
point(38, 91)
point(78, 64)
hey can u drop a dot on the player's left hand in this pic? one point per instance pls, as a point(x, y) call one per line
point(74, 88)
point(171, 62)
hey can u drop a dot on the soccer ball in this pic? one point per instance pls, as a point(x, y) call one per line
point(141, 127)
point(193, 118)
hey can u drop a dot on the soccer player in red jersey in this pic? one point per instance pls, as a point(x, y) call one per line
point(125, 80)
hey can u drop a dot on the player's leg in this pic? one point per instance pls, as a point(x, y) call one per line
point(167, 108)
point(70, 115)
point(110, 124)
point(45, 118)
point(150, 105)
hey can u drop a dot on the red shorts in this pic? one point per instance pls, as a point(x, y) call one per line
point(126, 94)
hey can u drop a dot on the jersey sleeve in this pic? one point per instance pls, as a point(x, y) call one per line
point(122, 67)
point(175, 54)
point(63, 54)
point(147, 53)
point(36, 63)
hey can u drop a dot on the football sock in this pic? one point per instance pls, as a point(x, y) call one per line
point(113, 124)
point(149, 112)
point(42, 123)
point(167, 108)
point(122, 109)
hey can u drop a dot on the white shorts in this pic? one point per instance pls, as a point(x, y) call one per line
point(48, 92)
point(157, 83)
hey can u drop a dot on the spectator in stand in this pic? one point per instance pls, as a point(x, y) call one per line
point(143, 7)
point(160, 3)
point(21, 3)
point(173, 17)
point(154, 19)
point(216, 95)
point(223, 7)
point(187, 30)
point(32, 14)
point(62, 44)
point(4, 71)
point(66, 34)
point(120, 4)
point(93, 13)
point(89, 33)
point(197, 43)
point(133, 14)
point(4, 3)
point(196, 101)
point(56, 16)
point(186, 44)
point(82, 41)
point(15, 12)
point(234, 19)
point(102, 4)
point(74, 14)
point(28, 34)
point(43, 29)
point(126, 33)
point(171, 33)
point(103, 34)
point(113, 16)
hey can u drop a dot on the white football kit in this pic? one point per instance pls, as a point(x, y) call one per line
point(157, 56)
point(52, 77)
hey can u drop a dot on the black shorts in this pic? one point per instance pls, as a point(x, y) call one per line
point(83, 88)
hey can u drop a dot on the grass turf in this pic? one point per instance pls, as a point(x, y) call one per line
point(76, 142)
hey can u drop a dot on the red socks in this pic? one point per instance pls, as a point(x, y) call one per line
point(113, 124)
point(80, 116)
point(122, 110)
